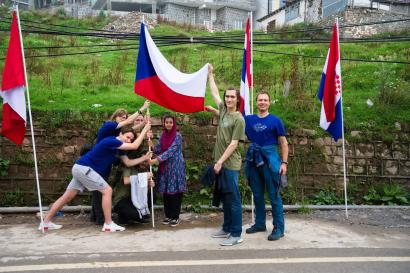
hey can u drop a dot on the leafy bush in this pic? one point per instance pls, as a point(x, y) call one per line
point(326, 198)
point(12, 199)
point(387, 195)
point(4, 167)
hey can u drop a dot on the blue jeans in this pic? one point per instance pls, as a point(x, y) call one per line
point(258, 184)
point(232, 206)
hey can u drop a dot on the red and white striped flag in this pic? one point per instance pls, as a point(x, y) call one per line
point(12, 89)
point(246, 78)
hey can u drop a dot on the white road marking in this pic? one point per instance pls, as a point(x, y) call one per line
point(93, 265)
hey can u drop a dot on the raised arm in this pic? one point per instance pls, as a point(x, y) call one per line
point(137, 142)
point(212, 85)
point(131, 118)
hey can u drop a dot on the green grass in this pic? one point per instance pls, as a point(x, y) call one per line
point(76, 83)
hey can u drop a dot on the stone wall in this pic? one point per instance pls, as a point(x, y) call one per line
point(314, 164)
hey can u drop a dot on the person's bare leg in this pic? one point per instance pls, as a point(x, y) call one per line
point(64, 199)
point(106, 204)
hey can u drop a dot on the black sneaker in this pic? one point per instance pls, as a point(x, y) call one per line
point(166, 221)
point(254, 229)
point(174, 222)
point(275, 235)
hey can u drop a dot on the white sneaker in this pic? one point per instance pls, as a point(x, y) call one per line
point(113, 227)
point(231, 240)
point(49, 226)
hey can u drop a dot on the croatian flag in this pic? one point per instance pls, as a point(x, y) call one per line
point(158, 81)
point(330, 90)
point(246, 80)
point(12, 89)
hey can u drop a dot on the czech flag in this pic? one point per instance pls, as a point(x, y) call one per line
point(158, 81)
point(246, 80)
point(330, 90)
point(12, 89)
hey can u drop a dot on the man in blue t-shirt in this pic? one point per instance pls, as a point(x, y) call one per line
point(91, 171)
point(264, 167)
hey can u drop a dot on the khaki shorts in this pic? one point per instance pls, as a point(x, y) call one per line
point(85, 177)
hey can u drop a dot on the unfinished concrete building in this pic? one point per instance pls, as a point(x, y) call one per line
point(213, 14)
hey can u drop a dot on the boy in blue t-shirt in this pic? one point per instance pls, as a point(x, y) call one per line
point(264, 166)
point(91, 172)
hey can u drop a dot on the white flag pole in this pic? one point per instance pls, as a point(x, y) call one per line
point(150, 167)
point(150, 170)
point(251, 91)
point(343, 130)
point(31, 119)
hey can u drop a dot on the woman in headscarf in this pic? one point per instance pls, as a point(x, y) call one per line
point(171, 180)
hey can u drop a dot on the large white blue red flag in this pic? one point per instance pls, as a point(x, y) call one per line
point(158, 81)
point(12, 89)
point(330, 90)
point(246, 79)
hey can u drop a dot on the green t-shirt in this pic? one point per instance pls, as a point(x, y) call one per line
point(121, 191)
point(231, 127)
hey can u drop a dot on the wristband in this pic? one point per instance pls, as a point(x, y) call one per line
point(140, 112)
point(284, 162)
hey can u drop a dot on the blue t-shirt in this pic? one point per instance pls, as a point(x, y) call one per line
point(264, 131)
point(102, 156)
point(109, 128)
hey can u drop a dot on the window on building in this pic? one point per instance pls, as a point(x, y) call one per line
point(292, 12)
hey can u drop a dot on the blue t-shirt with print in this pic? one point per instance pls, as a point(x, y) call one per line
point(109, 128)
point(102, 156)
point(264, 131)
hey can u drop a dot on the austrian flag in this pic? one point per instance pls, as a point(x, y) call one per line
point(12, 89)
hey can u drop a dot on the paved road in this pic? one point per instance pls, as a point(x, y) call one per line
point(205, 261)
point(310, 245)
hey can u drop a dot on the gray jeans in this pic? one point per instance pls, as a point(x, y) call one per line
point(85, 177)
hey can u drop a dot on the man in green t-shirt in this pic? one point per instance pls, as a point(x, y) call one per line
point(227, 158)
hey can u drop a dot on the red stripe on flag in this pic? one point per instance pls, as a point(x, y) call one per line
point(13, 126)
point(329, 93)
point(13, 73)
point(153, 89)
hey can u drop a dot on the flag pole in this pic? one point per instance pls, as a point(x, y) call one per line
point(343, 130)
point(150, 167)
point(31, 119)
point(150, 170)
point(251, 91)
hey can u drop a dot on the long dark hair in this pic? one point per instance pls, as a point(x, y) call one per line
point(238, 97)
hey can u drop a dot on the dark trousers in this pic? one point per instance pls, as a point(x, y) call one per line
point(97, 214)
point(172, 205)
point(126, 211)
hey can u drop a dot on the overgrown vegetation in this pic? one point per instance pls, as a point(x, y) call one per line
point(387, 195)
point(4, 167)
point(83, 91)
point(100, 83)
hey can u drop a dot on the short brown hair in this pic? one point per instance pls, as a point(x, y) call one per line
point(238, 97)
point(118, 113)
point(127, 129)
point(262, 92)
